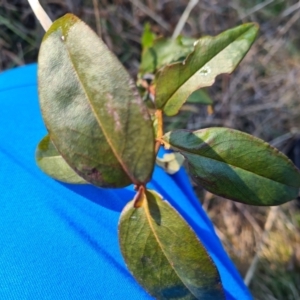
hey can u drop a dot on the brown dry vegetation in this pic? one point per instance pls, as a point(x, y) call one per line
point(262, 97)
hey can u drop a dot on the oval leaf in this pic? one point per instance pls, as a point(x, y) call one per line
point(52, 163)
point(164, 254)
point(237, 166)
point(91, 108)
point(212, 56)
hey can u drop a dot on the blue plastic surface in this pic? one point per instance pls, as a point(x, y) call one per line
point(59, 241)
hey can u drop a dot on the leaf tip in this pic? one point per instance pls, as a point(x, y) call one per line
point(64, 24)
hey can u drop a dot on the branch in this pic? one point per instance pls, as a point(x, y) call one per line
point(184, 18)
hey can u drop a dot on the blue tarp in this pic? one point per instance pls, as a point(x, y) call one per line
point(59, 241)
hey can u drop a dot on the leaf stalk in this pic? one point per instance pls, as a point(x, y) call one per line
point(139, 197)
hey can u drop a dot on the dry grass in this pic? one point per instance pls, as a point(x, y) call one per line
point(240, 227)
point(262, 97)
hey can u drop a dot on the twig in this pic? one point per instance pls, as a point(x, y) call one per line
point(289, 24)
point(151, 14)
point(40, 14)
point(291, 9)
point(268, 226)
point(97, 17)
point(256, 8)
point(184, 18)
point(281, 139)
point(280, 41)
point(249, 217)
point(259, 107)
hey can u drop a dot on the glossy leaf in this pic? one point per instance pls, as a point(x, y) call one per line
point(164, 51)
point(237, 165)
point(52, 163)
point(212, 56)
point(91, 108)
point(164, 254)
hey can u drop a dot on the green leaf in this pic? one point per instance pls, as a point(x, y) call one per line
point(52, 163)
point(200, 97)
point(148, 36)
point(91, 107)
point(164, 254)
point(164, 51)
point(180, 120)
point(212, 56)
point(237, 166)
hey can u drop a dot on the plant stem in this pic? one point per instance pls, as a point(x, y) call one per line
point(160, 129)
